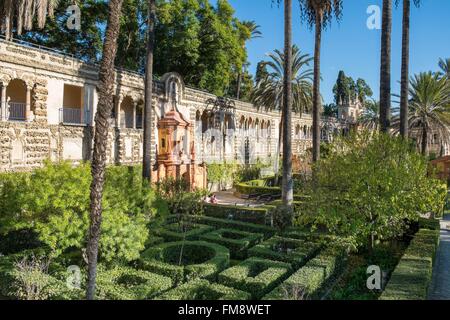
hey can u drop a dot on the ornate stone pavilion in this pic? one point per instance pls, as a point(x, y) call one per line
point(48, 102)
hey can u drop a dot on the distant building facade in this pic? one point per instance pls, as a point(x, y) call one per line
point(48, 103)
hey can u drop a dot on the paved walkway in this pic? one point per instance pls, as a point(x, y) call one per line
point(228, 198)
point(440, 285)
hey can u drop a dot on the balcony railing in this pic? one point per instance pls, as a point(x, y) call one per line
point(70, 115)
point(16, 111)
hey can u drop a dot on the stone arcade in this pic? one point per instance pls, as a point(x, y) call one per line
point(48, 103)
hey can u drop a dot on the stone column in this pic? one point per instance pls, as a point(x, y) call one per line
point(134, 115)
point(3, 103)
point(28, 114)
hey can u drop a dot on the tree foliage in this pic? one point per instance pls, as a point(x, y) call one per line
point(54, 201)
point(359, 200)
point(347, 91)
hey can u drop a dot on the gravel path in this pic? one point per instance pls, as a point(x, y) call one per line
point(440, 285)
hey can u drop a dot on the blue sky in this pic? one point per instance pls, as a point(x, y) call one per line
point(350, 45)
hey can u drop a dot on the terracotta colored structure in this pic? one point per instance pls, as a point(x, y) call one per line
point(443, 167)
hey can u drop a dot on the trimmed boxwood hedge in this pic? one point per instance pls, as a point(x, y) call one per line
point(124, 283)
point(267, 231)
point(201, 260)
point(258, 215)
point(173, 232)
point(236, 241)
point(256, 276)
point(309, 281)
point(432, 224)
point(294, 251)
point(202, 289)
point(256, 187)
point(411, 278)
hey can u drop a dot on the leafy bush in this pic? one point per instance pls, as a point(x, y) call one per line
point(255, 275)
point(308, 281)
point(412, 276)
point(27, 276)
point(369, 187)
point(293, 251)
point(246, 214)
point(182, 231)
point(236, 241)
point(201, 289)
point(124, 283)
point(186, 260)
point(55, 201)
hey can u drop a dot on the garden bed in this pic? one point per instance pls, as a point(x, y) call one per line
point(201, 289)
point(124, 283)
point(183, 261)
point(310, 280)
point(256, 276)
point(236, 241)
point(293, 251)
point(179, 231)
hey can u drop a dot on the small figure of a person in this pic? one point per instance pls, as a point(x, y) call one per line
point(214, 199)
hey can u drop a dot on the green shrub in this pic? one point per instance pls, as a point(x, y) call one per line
point(27, 276)
point(182, 230)
point(201, 289)
point(246, 214)
point(255, 275)
point(187, 260)
point(293, 251)
point(55, 201)
point(412, 276)
point(310, 280)
point(124, 283)
point(236, 241)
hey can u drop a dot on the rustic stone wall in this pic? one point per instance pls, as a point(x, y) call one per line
point(26, 145)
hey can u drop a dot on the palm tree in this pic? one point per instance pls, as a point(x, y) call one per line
point(24, 12)
point(445, 67)
point(318, 13)
point(385, 69)
point(105, 101)
point(370, 117)
point(269, 90)
point(429, 110)
point(254, 32)
point(147, 159)
point(405, 66)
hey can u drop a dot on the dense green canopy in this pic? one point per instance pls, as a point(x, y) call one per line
point(202, 42)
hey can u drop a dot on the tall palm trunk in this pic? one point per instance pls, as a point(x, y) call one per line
point(287, 183)
point(147, 159)
point(385, 70)
point(424, 141)
point(280, 141)
point(404, 128)
point(316, 88)
point(105, 102)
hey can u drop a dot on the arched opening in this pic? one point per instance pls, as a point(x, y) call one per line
point(72, 108)
point(16, 100)
point(126, 113)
